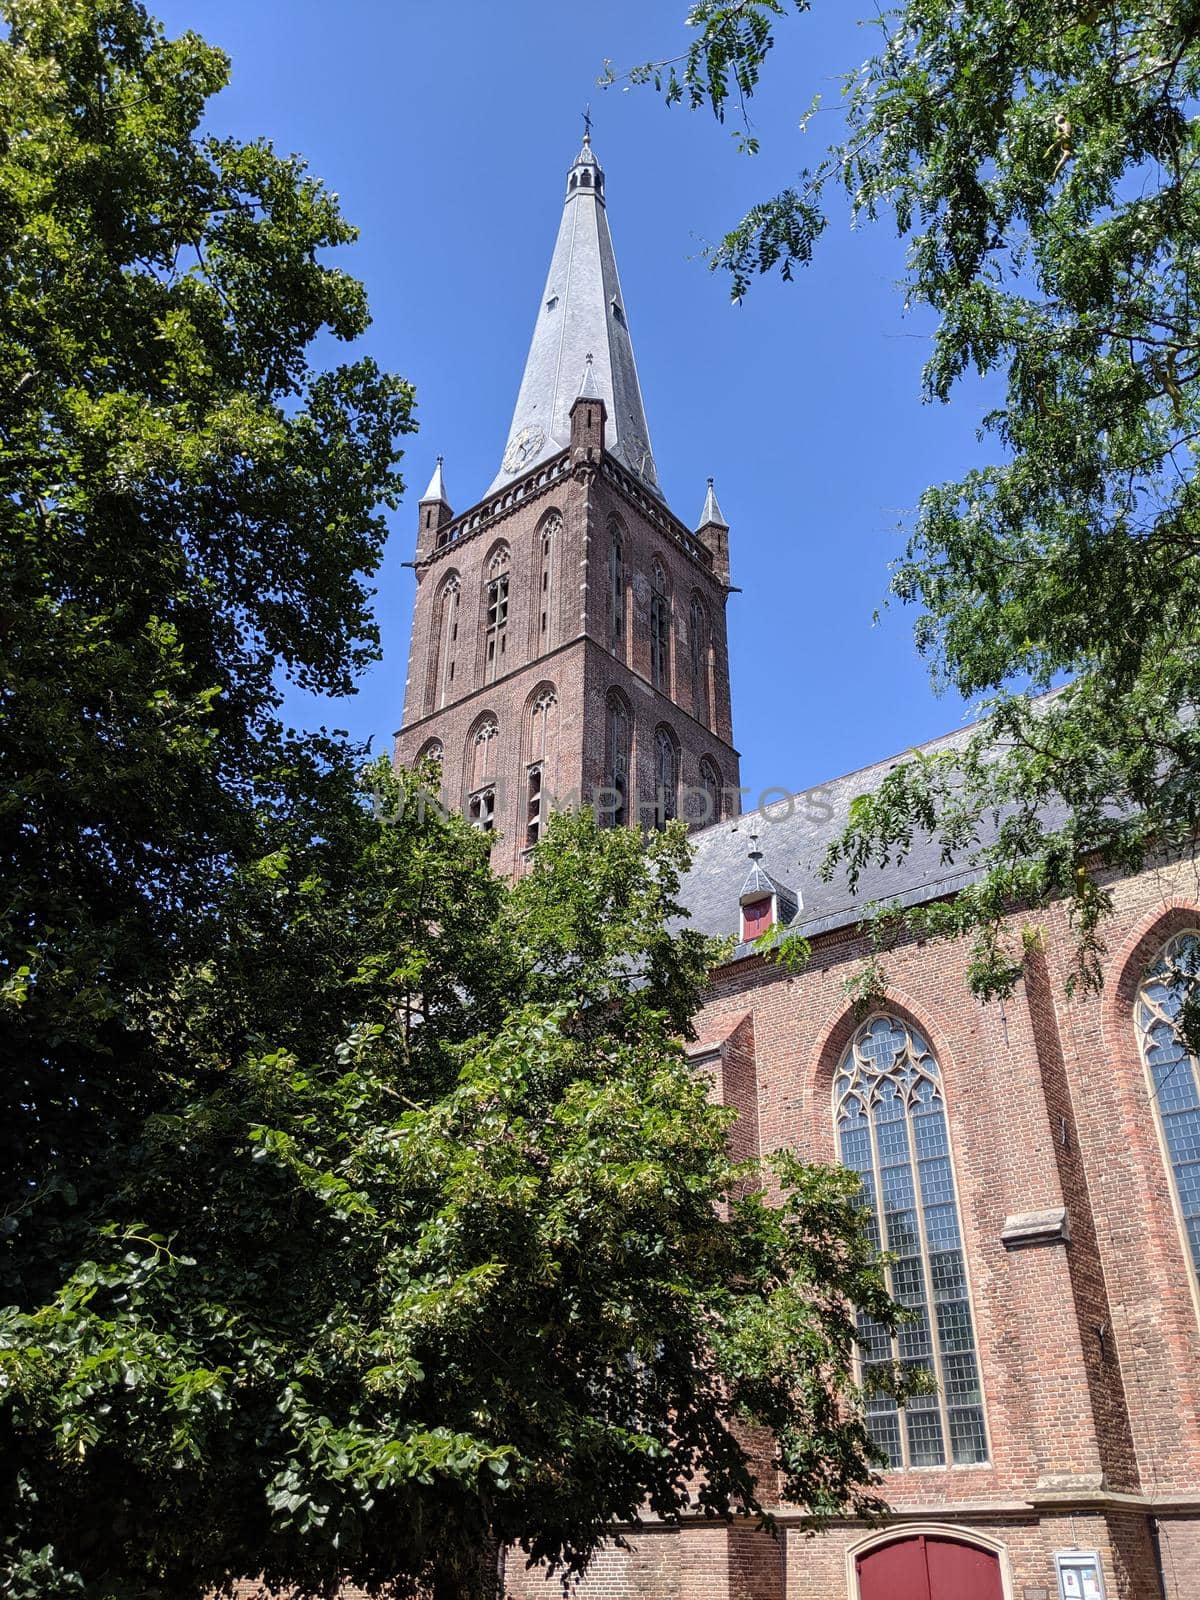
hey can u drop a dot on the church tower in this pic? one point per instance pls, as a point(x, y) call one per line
point(568, 641)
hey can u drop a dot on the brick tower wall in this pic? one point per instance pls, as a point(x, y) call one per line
point(590, 499)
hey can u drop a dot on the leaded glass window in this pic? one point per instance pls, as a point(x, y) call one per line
point(1175, 1093)
point(660, 624)
point(710, 785)
point(666, 777)
point(613, 802)
point(891, 1126)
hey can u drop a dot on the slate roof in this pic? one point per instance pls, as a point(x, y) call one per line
point(793, 836)
point(711, 516)
point(581, 318)
point(437, 487)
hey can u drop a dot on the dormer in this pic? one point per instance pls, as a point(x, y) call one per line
point(764, 903)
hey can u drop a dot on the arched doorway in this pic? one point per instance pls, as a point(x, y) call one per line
point(929, 1567)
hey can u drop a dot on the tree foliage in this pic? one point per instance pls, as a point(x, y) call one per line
point(359, 1211)
point(188, 507)
point(1041, 160)
point(476, 1267)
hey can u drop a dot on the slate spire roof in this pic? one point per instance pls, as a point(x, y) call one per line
point(587, 384)
point(711, 516)
point(582, 312)
point(437, 486)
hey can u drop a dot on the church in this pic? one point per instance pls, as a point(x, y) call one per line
point(1033, 1165)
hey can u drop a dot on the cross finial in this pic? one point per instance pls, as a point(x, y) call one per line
point(587, 123)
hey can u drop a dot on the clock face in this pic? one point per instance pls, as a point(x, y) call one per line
point(522, 447)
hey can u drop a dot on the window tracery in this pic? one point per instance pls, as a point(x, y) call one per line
point(444, 644)
point(616, 590)
point(891, 1125)
point(496, 615)
point(483, 760)
point(1174, 1077)
point(432, 753)
point(543, 714)
point(551, 530)
point(660, 624)
point(666, 777)
point(698, 648)
point(614, 805)
point(710, 785)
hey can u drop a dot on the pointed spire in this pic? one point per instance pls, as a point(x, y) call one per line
point(582, 311)
point(587, 384)
point(711, 516)
point(437, 487)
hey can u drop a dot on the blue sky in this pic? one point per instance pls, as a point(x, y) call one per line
point(446, 131)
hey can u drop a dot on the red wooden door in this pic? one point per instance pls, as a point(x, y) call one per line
point(929, 1568)
point(894, 1572)
point(756, 918)
point(962, 1571)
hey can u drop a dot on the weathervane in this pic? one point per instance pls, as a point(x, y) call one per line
point(587, 123)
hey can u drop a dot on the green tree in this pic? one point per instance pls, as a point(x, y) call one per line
point(1041, 161)
point(475, 1269)
point(359, 1211)
point(188, 506)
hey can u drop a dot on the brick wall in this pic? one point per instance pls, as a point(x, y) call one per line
point(578, 656)
point(1087, 1336)
point(1089, 1342)
point(1089, 1345)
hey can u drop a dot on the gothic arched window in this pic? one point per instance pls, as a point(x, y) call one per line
point(540, 737)
point(710, 788)
point(432, 753)
point(551, 530)
point(891, 1126)
point(666, 776)
point(698, 648)
point(660, 630)
point(1173, 1072)
point(616, 590)
point(495, 639)
point(613, 805)
point(443, 645)
point(483, 754)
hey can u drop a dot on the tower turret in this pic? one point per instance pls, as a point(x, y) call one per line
point(433, 513)
point(588, 414)
point(713, 533)
point(568, 641)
